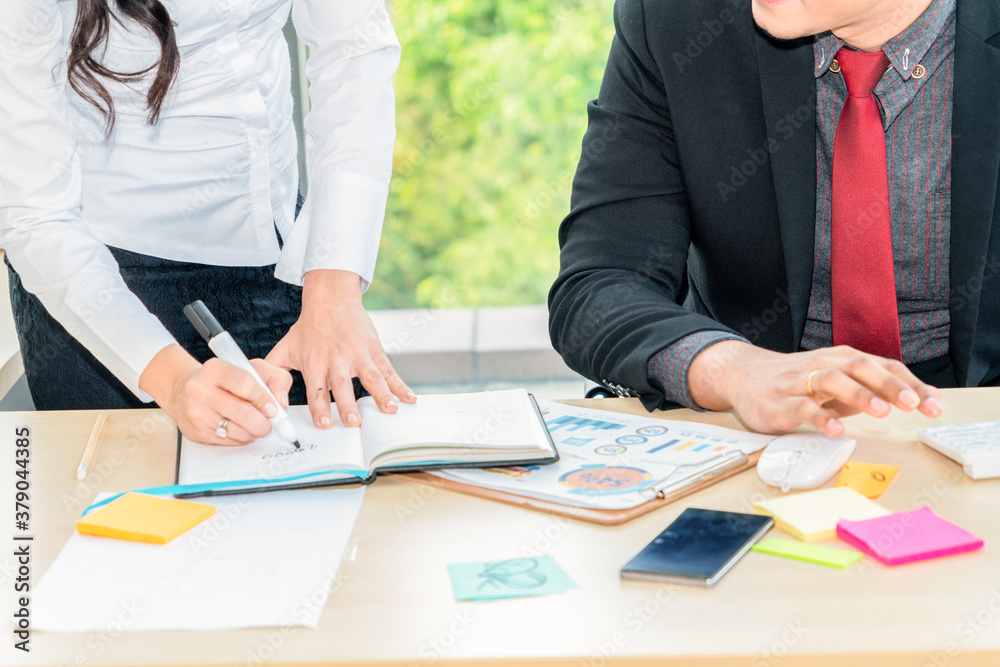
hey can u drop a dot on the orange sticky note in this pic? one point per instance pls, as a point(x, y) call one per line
point(144, 518)
point(868, 479)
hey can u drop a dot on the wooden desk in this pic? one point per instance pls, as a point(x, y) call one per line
point(392, 602)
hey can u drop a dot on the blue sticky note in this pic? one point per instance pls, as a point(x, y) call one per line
point(515, 577)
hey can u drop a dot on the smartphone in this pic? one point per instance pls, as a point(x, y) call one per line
point(698, 547)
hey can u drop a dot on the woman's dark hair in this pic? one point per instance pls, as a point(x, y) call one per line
point(90, 36)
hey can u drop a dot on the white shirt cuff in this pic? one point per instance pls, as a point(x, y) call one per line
point(339, 227)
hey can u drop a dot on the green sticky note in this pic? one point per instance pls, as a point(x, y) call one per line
point(515, 577)
point(813, 553)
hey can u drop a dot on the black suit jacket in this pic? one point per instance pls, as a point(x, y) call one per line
point(694, 203)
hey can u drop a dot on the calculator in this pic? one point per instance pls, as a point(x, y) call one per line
point(976, 445)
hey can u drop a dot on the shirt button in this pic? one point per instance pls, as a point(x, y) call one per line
point(918, 72)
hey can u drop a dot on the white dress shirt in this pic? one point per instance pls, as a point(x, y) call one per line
point(213, 178)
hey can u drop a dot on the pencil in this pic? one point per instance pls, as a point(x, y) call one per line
point(95, 439)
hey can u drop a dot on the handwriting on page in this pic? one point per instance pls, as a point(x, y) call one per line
point(280, 454)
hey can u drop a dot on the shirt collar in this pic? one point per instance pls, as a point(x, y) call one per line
point(825, 48)
point(905, 50)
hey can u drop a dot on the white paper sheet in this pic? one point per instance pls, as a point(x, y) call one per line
point(263, 560)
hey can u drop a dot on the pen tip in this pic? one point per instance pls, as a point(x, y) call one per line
point(297, 445)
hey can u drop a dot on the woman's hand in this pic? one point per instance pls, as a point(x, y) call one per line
point(333, 342)
point(774, 392)
point(199, 396)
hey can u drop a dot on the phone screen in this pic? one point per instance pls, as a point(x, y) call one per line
point(698, 547)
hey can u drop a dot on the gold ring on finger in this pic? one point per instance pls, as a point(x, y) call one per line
point(809, 383)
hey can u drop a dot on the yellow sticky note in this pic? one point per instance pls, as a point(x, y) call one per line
point(144, 518)
point(868, 479)
point(812, 516)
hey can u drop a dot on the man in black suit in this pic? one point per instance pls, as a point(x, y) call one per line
point(785, 207)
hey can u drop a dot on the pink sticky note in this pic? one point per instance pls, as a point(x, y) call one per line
point(905, 537)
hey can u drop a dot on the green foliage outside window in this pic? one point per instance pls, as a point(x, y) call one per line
point(490, 112)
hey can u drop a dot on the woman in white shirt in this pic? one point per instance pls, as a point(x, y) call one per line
point(150, 145)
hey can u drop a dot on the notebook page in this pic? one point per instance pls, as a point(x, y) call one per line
point(493, 419)
point(336, 448)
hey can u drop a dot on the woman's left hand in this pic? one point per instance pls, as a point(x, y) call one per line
point(333, 342)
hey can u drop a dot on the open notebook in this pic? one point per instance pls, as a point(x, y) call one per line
point(498, 428)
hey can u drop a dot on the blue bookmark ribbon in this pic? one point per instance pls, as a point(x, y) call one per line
point(175, 489)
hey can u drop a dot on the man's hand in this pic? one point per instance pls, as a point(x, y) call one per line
point(334, 341)
point(199, 396)
point(773, 392)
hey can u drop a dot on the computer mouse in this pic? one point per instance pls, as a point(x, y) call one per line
point(803, 460)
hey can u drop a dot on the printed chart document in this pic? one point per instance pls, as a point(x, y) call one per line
point(477, 429)
point(263, 560)
point(610, 460)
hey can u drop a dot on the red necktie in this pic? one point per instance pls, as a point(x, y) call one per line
point(862, 278)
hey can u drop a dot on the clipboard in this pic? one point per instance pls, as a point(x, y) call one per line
point(599, 516)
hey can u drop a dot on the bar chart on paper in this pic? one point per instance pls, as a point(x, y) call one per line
point(571, 423)
point(693, 445)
